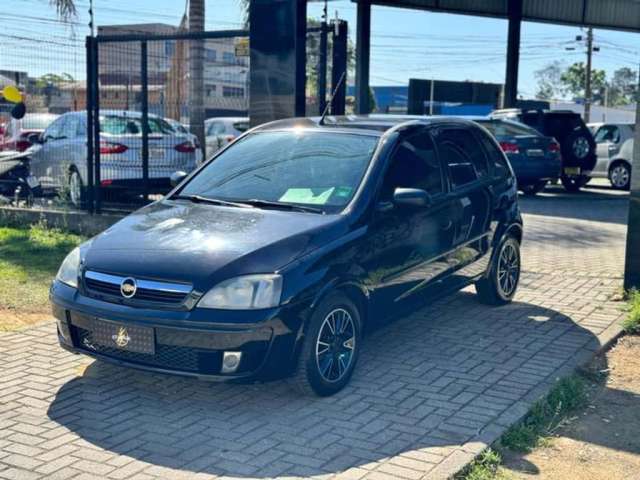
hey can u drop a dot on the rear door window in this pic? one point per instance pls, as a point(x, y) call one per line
point(608, 134)
point(121, 125)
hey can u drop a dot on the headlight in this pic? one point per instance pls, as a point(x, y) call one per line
point(68, 271)
point(244, 293)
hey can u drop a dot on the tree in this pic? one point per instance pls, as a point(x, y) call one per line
point(623, 87)
point(66, 8)
point(549, 83)
point(574, 78)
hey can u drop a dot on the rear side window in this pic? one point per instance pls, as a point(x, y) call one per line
point(607, 134)
point(495, 156)
point(463, 154)
point(414, 164)
point(241, 126)
point(501, 128)
point(121, 125)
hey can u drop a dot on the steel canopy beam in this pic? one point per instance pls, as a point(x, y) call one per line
point(513, 54)
point(363, 57)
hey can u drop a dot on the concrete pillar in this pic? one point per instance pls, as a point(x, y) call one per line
point(278, 59)
point(363, 55)
point(632, 257)
point(513, 53)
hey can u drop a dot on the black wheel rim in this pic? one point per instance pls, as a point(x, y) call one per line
point(335, 345)
point(508, 270)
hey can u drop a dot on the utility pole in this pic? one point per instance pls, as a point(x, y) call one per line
point(587, 83)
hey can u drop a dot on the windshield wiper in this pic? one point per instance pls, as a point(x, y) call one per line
point(282, 206)
point(213, 201)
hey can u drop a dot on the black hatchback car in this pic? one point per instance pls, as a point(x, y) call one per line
point(275, 256)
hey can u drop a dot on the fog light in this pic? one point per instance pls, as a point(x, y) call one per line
point(64, 331)
point(230, 361)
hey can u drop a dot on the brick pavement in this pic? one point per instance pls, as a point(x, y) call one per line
point(430, 392)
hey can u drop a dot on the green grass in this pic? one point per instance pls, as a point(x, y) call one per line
point(29, 259)
point(568, 395)
point(631, 324)
point(485, 467)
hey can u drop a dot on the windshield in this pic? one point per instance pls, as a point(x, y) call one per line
point(320, 169)
point(508, 129)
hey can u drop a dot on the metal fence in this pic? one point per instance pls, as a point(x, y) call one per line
point(148, 103)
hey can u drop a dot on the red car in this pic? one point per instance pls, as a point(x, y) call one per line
point(15, 134)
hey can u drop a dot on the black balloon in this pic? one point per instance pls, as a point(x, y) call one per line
point(18, 111)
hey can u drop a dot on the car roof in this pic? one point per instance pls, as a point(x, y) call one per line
point(373, 124)
point(227, 119)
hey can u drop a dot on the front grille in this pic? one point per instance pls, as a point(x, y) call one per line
point(171, 357)
point(102, 284)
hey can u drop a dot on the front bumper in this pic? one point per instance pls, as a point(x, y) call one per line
point(182, 345)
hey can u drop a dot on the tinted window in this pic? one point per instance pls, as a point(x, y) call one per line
point(215, 128)
point(241, 126)
point(501, 128)
point(463, 154)
point(414, 165)
point(313, 168)
point(55, 129)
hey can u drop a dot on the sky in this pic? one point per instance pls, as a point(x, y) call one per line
point(405, 43)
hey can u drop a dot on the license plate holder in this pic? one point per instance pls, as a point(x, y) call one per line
point(572, 171)
point(156, 153)
point(131, 338)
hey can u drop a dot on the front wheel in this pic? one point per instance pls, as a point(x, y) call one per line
point(330, 348)
point(574, 183)
point(76, 189)
point(500, 285)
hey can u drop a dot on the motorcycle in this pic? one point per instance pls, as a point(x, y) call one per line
point(16, 182)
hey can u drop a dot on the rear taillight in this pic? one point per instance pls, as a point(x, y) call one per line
point(509, 147)
point(554, 147)
point(108, 148)
point(229, 138)
point(22, 145)
point(185, 147)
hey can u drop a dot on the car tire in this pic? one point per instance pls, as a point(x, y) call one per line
point(574, 184)
point(533, 188)
point(327, 360)
point(76, 189)
point(620, 175)
point(500, 285)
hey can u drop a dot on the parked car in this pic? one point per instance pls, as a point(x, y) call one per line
point(19, 134)
point(181, 128)
point(535, 159)
point(222, 131)
point(609, 138)
point(275, 256)
point(61, 158)
point(577, 146)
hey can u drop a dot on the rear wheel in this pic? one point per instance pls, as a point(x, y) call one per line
point(500, 286)
point(620, 176)
point(533, 188)
point(330, 348)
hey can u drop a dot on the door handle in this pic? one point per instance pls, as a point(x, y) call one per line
point(447, 225)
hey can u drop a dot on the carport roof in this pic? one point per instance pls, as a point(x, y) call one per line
point(610, 14)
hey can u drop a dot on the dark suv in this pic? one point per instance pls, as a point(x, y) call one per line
point(275, 256)
point(577, 146)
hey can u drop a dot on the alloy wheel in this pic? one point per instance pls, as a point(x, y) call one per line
point(335, 345)
point(508, 270)
point(620, 176)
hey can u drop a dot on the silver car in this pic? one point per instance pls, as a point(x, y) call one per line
point(60, 159)
point(221, 131)
point(612, 143)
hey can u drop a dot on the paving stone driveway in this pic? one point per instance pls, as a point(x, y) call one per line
point(430, 392)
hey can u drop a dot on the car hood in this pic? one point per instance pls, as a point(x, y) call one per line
point(203, 244)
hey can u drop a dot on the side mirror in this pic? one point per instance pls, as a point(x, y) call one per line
point(411, 197)
point(177, 178)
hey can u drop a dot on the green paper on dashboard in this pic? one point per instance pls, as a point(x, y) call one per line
point(310, 196)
